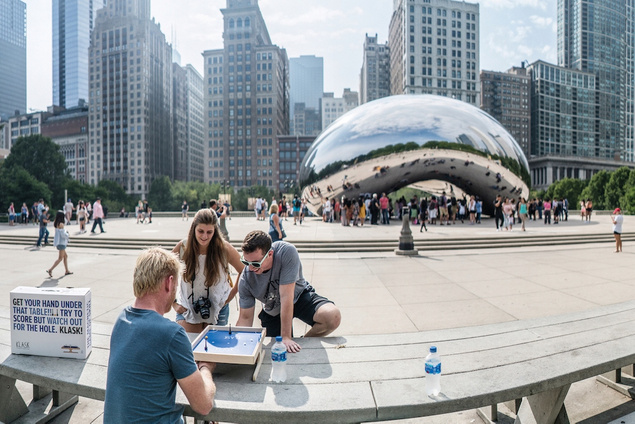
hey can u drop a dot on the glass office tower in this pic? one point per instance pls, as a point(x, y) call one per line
point(597, 37)
point(12, 57)
point(72, 24)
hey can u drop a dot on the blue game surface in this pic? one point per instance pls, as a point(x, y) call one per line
point(220, 341)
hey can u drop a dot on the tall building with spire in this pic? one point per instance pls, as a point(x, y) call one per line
point(247, 98)
point(130, 91)
point(73, 21)
point(12, 58)
point(434, 49)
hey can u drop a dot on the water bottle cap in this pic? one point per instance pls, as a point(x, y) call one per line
point(433, 349)
point(279, 339)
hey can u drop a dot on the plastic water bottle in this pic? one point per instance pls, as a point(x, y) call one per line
point(433, 372)
point(279, 361)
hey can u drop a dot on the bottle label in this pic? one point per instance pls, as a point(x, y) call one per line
point(432, 369)
point(279, 356)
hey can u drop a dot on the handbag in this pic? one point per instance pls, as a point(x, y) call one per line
point(284, 234)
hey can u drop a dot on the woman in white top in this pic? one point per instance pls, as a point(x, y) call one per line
point(617, 219)
point(81, 216)
point(60, 242)
point(205, 288)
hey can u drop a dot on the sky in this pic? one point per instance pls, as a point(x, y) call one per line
point(511, 31)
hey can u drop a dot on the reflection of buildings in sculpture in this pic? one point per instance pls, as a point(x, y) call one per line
point(396, 141)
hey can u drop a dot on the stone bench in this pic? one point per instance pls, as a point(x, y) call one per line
point(369, 378)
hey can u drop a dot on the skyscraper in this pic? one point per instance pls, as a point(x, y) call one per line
point(434, 49)
point(247, 98)
point(130, 91)
point(306, 83)
point(12, 57)
point(72, 24)
point(374, 79)
point(506, 96)
point(597, 37)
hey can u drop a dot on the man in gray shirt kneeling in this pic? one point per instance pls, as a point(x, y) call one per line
point(273, 275)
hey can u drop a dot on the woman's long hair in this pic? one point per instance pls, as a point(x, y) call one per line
point(215, 250)
point(59, 219)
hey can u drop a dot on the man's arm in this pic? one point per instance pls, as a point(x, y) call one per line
point(199, 388)
point(287, 292)
point(246, 317)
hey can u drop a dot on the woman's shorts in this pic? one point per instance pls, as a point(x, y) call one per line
point(61, 247)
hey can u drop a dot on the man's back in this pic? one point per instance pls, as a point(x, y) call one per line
point(148, 353)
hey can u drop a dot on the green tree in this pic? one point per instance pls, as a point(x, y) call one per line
point(160, 195)
point(568, 188)
point(19, 186)
point(595, 190)
point(628, 201)
point(113, 196)
point(41, 158)
point(615, 187)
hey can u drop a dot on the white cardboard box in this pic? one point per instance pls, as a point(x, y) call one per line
point(51, 322)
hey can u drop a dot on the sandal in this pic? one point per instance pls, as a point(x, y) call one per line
point(68, 273)
point(48, 271)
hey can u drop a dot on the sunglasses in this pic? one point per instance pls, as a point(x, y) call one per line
point(257, 264)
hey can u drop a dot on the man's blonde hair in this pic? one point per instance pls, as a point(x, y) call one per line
point(153, 266)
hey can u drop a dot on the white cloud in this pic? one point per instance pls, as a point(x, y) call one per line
point(541, 21)
point(512, 4)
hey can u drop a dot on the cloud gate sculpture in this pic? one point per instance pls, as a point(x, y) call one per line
point(396, 141)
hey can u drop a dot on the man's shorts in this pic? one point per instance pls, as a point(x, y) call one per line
point(443, 211)
point(304, 309)
point(296, 213)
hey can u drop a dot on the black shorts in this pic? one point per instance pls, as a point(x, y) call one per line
point(304, 309)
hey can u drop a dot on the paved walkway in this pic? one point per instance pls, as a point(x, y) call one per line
point(376, 292)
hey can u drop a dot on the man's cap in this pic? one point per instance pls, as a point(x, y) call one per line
point(616, 211)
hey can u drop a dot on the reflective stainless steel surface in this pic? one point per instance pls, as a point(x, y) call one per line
point(396, 141)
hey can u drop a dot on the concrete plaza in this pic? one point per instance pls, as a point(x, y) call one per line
point(378, 293)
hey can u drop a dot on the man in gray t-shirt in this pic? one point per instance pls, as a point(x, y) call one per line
point(273, 275)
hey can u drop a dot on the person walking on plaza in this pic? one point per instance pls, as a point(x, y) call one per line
point(98, 215)
point(374, 210)
point(11, 213)
point(142, 376)
point(547, 211)
point(383, 205)
point(60, 242)
point(276, 232)
point(68, 211)
point(589, 209)
point(82, 216)
point(498, 212)
point(297, 205)
point(522, 211)
point(44, 232)
point(582, 209)
point(326, 210)
point(617, 219)
point(184, 209)
point(24, 216)
point(273, 275)
point(205, 288)
point(423, 212)
point(362, 211)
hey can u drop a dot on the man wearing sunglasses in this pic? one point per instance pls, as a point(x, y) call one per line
point(273, 275)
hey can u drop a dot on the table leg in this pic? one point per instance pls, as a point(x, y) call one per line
point(261, 356)
point(12, 405)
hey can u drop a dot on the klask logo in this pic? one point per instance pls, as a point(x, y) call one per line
point(22, 345)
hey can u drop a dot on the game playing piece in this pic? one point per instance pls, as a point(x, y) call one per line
point(230, 329)
point(205, 343)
